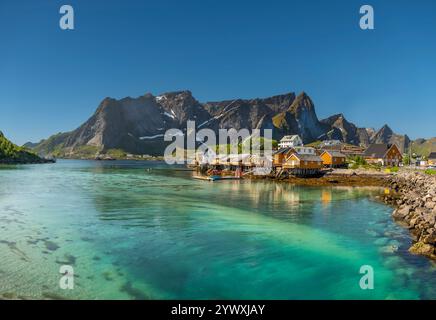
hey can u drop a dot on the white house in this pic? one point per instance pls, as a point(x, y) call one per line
point(329, 143)
point(290, 141)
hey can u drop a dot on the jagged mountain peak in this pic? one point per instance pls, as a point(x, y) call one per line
point(340, 116)
point(386, 135)
point(347, 131)
point(302, 95)
point(137, 125)
point(335, 118)
point(300, 118)
point(386, 128)
point(302, 102)
point(181, 94)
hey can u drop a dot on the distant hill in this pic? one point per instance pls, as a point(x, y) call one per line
point(11, 153)
point(137, 125)
point(424, 147)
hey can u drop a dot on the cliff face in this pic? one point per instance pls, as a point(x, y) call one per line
point(300, 118)
point(137, 125)
point(120, 124)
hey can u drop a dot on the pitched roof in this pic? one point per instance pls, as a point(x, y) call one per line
point(335, 154)
point(284, 150)
point(377, 150)
point(290, 138)
point(432, 155)
point(308, 157)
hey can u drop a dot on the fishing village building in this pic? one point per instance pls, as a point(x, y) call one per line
point(431, 160)
point(305, 150)
point(299, 160)
point(346, 149)
point(281, 155)
point(333, 159)
point(296, 159)
point(290, 141)
point(383, 154)
point(303, 164)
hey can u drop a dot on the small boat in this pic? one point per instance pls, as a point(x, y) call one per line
point(207, 178)
point(216, 178)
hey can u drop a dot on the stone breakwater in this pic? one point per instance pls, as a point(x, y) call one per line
point(414, 199)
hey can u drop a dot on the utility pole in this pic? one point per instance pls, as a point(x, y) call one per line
point(410, 153)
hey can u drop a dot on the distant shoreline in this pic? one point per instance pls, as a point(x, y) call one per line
point(15, 162)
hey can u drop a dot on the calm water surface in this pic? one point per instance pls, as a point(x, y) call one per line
point(142, 230)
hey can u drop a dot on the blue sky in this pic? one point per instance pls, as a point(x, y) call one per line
point(53, 80)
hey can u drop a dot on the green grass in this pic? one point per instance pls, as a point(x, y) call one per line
point(10, 152)
point(86, 151)
point(314, 144)
point(116, 153)
point(430, 171)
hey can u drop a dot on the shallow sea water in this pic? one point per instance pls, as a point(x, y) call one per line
point(144, 230)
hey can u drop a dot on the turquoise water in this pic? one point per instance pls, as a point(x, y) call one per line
point(143, 230)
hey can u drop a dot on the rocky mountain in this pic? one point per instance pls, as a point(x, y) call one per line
point(300, 118)
point(250, 114)
point(347, 131)
point(137, 125)
point(386, 135)
point(11, 153)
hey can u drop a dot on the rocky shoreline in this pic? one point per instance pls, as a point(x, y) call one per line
point(414, 198)
point(345, 180)
point(337, 177)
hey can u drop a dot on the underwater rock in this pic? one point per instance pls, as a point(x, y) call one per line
point(422, 248)
point(50, 245)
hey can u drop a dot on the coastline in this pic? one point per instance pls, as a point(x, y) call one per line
point(361, 180)
point(337, 177)
point(15, 161)
point(414, 198)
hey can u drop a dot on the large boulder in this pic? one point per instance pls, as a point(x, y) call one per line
point(422, 248)
point(402, 212)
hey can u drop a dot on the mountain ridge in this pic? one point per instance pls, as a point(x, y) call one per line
point(137, 125)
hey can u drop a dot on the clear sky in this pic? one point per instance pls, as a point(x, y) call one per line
point(53, 80)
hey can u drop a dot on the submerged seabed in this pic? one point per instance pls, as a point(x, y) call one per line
point(141, 230)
